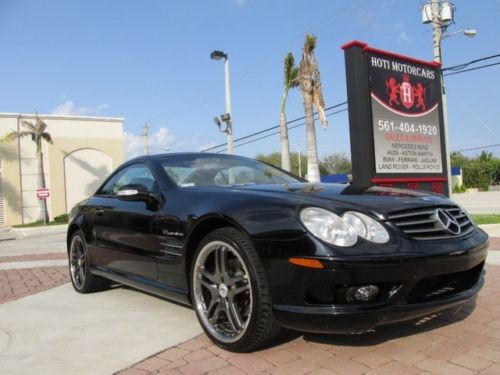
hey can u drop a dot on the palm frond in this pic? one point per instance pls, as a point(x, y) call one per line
point(13, 135)
point(310, 44)
point(320, 107)
point(288, 63)
point(28, 125)
point(294, 77)
point(40, 126)
point(47, 137)
point(9, 137)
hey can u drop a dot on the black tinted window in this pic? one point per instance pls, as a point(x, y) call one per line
point(195, 170)
point(133, 174)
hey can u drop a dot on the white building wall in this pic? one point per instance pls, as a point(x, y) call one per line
point(102, 136)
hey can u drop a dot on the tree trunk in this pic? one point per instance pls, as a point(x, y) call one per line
point(43, 214)
point(285, 145)
point(312, 149)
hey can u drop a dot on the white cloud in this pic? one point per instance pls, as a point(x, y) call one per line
point(69, 108)
point(158, 142)
point(403, 37)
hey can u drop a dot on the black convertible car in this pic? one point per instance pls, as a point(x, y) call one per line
point(253, 248)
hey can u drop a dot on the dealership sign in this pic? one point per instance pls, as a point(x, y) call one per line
point(405, 116)
point(395, 119)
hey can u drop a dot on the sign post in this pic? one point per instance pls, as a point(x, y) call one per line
point(43, 193)
point(395, 120)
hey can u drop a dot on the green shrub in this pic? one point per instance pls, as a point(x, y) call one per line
point(459, 189)
point(61, 218)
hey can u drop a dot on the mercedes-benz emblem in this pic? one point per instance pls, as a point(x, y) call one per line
point(447, 221)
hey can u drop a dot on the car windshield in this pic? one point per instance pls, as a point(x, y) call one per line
point(209, 170)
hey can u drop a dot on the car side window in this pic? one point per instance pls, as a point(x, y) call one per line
point(133, 174)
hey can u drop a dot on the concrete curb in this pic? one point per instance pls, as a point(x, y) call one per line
point(37, 231)
point(493, 230)
point(6, 234)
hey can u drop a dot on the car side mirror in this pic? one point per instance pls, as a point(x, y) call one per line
point(133, 192)
point(139, 193)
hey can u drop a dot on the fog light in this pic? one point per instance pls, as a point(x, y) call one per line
point(363, 293)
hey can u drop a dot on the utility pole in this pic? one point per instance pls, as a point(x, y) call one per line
point(436, 30)
point(441, 14)
point(437, 37)
point(145, 134)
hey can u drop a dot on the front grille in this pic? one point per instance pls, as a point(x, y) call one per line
point(430, 223)
point(438, 287)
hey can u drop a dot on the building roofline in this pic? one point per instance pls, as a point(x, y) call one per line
point(61, 117)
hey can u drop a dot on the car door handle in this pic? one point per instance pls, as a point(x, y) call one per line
point(99, 211)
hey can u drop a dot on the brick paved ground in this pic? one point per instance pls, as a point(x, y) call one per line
point(495, 243)
point(464, 342)
point(26, 258)
point(19, 283)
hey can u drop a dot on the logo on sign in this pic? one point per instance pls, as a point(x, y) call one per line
point(405, 93)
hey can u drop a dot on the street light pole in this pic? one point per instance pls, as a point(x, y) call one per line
point(218, 55)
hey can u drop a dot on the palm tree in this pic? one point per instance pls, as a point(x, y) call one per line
point(310, 86)
point(290, 81)
point(37, 133)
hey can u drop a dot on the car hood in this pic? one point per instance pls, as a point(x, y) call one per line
point(377, 199)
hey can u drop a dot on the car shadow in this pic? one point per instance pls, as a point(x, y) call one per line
point(376, 336)
point(126, 287)
point(384, 333)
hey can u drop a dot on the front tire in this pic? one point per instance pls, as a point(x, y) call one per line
point(230, 293)
point(81, 278)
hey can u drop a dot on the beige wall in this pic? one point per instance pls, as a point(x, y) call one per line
point(62, 148)
point(9, 154)
point(100, 139)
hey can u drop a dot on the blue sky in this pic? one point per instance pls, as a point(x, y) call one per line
point(148, 61)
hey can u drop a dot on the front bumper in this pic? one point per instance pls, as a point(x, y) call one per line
point(411, 286)
point(346, 320)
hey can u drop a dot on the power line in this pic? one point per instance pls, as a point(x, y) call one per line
point(455, 67)
point(465, 65)
point(273, 127)
point(471, 69)
point(290, 128)
point(478, 148)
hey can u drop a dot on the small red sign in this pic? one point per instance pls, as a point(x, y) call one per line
point(42, 193)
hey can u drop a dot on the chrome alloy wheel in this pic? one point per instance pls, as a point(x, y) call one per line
point(222, 291)
point(78, 262)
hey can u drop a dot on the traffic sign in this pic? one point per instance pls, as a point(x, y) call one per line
point(43, 193)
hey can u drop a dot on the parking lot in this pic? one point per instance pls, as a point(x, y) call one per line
point(45, 327)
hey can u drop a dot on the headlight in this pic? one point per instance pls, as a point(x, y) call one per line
point(366, 227)
point(342, 230)
point(327, 226)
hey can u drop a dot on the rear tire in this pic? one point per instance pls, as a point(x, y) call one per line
point(230, 292)
point(82, 280)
